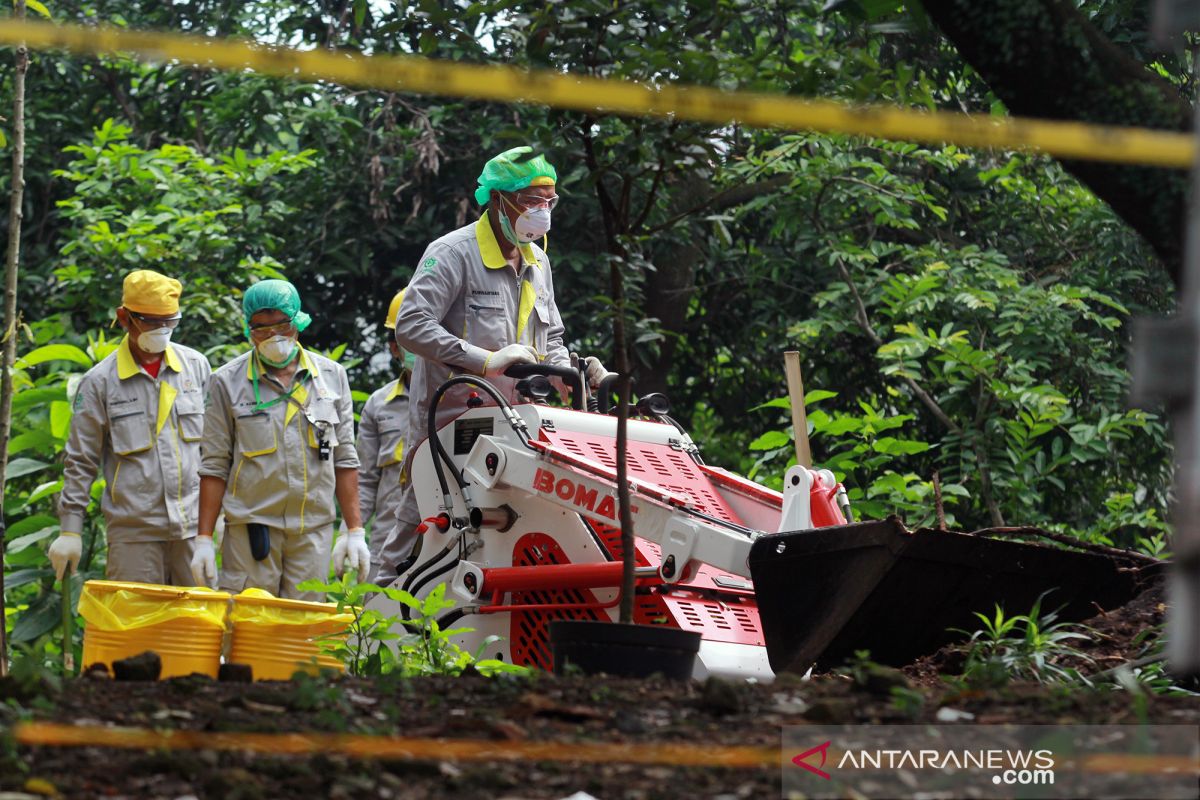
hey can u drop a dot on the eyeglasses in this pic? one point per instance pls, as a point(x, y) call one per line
point(262, 332)
point(153, 323)
point(534, 200)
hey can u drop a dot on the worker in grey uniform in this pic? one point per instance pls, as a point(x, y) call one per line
point(382, 431)
point(482, 299)
point(138, 417)
point(278, 447)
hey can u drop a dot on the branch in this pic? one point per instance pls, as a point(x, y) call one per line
point(608, 210)
point(860, 316)
point(1062, 538)
point(733, 196)
point(985, 471)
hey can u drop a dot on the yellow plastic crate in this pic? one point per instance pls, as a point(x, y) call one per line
point(278, 637)
point(183, 625)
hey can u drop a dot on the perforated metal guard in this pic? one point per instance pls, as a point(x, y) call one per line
point(733, 617)
point(529, 634)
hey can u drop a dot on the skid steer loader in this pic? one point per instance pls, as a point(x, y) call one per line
point(520, 509)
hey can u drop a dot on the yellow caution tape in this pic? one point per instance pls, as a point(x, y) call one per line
point(52, 734)
point(580, 93)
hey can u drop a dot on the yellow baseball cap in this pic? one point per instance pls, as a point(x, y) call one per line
point(148, 292)
point(394, 310)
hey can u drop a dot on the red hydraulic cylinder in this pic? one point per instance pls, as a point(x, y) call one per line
point(552, 576)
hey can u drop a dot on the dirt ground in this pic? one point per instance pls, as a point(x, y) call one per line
point(543, 708)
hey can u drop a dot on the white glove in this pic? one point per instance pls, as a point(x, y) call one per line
point(351, 552)
point(595, 371)
point(204, 562)
point(506, 356)
point(66, 549)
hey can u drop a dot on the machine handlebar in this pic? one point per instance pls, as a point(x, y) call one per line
point(572, 376)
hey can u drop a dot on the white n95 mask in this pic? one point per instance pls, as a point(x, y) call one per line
point(278, 351)
point(154, 341)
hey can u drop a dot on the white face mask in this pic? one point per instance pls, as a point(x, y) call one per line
point(154, 341)
point(278, 351)
point(531, 225)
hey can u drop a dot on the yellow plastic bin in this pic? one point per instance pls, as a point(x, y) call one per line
point(278, 637)
point(183, 625)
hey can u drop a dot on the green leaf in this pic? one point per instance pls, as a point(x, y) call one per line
point(40, 618)
point(44, 490)
point(32, 397)
point(60, 419)
point(21, 542)
point(38, 7)
point(54, 352)
point(770, 440)
point(817, 395)
point(23, 466)
point(897, 447)
point(31, 523)
point(21, 577)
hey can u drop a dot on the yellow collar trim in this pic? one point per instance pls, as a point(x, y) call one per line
point(128, 366)
point(398, 390)
point(489, 248)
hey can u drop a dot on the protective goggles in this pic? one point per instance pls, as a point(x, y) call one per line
point(263, 332)
point(527, 199)
point(152, 323)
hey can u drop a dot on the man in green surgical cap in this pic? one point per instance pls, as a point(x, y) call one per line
point(482, 299)
point(278, 447)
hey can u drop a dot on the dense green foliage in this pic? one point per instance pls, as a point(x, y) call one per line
point(964, 313)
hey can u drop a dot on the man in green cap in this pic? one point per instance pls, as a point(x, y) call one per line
point(278, 447)
point(482, 299)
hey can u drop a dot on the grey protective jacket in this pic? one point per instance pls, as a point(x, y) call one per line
point(382, 430)
point(270, 457)
point(144, 434)
point(464, 301)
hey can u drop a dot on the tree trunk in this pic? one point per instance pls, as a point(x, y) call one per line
point(10, 301)
point(1044, 59)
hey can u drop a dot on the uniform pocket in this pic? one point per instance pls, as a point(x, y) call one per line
point(191, 417)
point(255, 435)
point(191, 426)
point(391, 445)
point(130, 433)
point(489, 326)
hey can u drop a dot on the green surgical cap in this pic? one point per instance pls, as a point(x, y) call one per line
point(273, 294)
point(512, 170)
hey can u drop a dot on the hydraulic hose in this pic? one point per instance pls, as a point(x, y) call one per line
point(416, 573)
point(404, 609)
point(436, 443)
point(453, 616)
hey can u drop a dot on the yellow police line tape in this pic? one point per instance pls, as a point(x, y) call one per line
point(52, 734)
point(499, 83)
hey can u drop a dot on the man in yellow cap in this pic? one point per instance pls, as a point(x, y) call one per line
point(138, 416)
point(482, 298)
point(382, 431)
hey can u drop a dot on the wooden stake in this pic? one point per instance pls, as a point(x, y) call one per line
point(795, 384)
point(11, 328)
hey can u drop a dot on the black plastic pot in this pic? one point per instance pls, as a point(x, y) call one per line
point(631, 651)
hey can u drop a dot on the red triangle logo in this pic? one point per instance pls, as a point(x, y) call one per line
point(800, 760)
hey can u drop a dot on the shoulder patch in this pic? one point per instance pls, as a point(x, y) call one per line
point(429, 264)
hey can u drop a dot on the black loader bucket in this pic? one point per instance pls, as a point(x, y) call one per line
point(826, 592)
